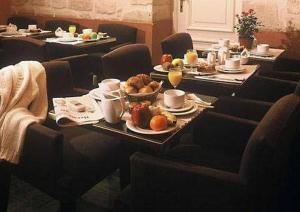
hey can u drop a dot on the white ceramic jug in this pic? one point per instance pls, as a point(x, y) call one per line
point(211, 58)
point(223, 54)
point(112, 108)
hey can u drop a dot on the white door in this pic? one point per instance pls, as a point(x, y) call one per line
point(206, 20)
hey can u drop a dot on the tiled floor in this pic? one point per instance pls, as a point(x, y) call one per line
point(26, 198)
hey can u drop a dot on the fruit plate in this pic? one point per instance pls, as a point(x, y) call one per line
point(188, 105)
point(159, 68)
point(136, 129)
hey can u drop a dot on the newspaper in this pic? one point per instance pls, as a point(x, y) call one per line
point(72, 111)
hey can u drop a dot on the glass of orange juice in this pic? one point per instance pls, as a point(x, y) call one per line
point(175, 76)
point(192, 58)
point(72, 29)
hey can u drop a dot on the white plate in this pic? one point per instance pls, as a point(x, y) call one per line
point(89, 40)
point(136, 129)
point(94, 94)
point(229, 71)
point(66, 39)
point(267, 54)
point(188, 105)
point(193, 110)
point(10, 33)
point(159, 68)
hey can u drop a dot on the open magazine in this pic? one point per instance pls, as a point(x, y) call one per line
point(71, 111)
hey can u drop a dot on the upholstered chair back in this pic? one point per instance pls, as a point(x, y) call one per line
point(52, 25)
point(127, 61)
point(59, 79)
point(266, 160)
point(123, 33)
point(23, 48)
point(177, 44)
point(21, 22)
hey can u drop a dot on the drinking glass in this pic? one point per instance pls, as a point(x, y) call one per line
point(175, 76)
point(72, 29)
point(192, 58)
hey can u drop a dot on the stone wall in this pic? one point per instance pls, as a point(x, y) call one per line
point(275, 14)
point(144, 11)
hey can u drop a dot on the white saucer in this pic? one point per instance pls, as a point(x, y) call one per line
point(194, 109)
point(159, 68)
point(262, 54)
point(136, 129)
point(94, 94)
point(188, 105)
point(230, 71)
point(66, 39)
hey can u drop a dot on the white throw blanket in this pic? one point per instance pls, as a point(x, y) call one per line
point(23, 101)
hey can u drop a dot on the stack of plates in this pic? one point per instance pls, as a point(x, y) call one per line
point(189, 107)
point(223, 69)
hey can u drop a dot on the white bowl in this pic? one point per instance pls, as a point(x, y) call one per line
point(263, 48)
point(174, 98)
point(87, 31)
point(232, 63)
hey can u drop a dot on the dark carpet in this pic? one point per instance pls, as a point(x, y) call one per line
point(23, 197)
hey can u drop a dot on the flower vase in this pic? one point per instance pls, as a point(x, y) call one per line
point(246, 42)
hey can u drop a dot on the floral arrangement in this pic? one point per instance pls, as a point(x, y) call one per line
point(247, 24)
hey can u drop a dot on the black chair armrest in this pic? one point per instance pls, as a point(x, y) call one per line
point(243, 108)
point(265, 88)
point(220, 131)
point(158, 184)
point(291, 76)
point(42, 153)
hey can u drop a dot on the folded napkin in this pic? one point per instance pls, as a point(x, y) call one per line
point(198, 100)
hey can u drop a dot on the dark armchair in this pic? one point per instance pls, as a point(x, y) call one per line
point(52, 25)
point(127, 61)
point(177, 44)
point(65, 162)
point(123, 33)
point(233, 165)
point(21, 22)
point(23, 48)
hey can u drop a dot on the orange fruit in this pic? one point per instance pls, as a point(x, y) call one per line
point(158, 123)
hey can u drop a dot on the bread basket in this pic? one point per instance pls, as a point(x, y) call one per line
point(138, 97)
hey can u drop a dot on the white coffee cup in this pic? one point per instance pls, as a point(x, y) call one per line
point(224, 42)
point(87, 31)
point(232, 63)
point(67, 35)
point(32, 27)
point(109, 85)
point(262, 48)
point(112, 108)
point(174, 98)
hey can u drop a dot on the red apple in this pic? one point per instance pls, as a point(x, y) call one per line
point(166, 58)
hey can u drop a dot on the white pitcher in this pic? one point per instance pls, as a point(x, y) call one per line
point(211, 58)
point(223, 54)
point(112, 108)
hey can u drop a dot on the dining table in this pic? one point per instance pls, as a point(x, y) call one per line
point(42, 34)
point(58, 47)
point(218, 83)
point(266, 61)
point(150, 141)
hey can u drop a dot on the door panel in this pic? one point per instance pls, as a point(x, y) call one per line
point(206, 20)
